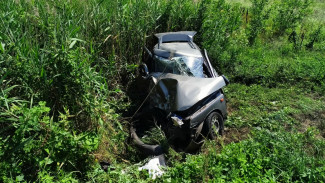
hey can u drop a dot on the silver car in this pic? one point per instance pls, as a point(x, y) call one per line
point(185, 93)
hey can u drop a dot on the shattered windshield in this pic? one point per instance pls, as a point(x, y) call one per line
point(188, 66)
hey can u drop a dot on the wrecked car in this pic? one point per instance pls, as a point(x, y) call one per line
point(184, 92)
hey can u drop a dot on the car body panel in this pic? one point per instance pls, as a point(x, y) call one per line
point(173, 92)
point(173, 44)
point(214, 105)
point(175, 49)
point(175, 36)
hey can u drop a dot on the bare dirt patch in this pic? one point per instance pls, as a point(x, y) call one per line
point(230, 135)
point(317, 120)
point(235, 135)
point(230, 108)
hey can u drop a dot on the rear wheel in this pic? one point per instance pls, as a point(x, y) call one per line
point(213, 125)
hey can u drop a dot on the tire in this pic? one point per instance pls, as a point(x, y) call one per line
point(213, 125)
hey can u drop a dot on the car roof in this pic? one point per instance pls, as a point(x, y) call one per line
point(172, 44)
point(175, 36)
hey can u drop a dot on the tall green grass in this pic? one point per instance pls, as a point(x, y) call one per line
point(76, 56)
point(65, 67)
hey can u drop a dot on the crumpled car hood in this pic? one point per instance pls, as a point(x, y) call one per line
point(171, 92)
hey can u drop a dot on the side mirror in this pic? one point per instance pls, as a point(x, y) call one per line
point(144, 71)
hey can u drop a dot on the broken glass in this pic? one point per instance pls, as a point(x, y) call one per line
point(186, 66)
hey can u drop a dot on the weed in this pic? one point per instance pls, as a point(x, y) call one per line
point(259, 15)
point(268, 156)
point(65, 67)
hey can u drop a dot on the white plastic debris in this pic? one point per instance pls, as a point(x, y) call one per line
point(154, 166)
point(177, 121)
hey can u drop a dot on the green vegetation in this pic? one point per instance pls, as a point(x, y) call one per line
point(268, 157)
point(66, 78)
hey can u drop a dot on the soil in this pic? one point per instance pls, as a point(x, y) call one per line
point(235, 135)
point(316, 120)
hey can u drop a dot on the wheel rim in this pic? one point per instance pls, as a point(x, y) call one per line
point(215, 125)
